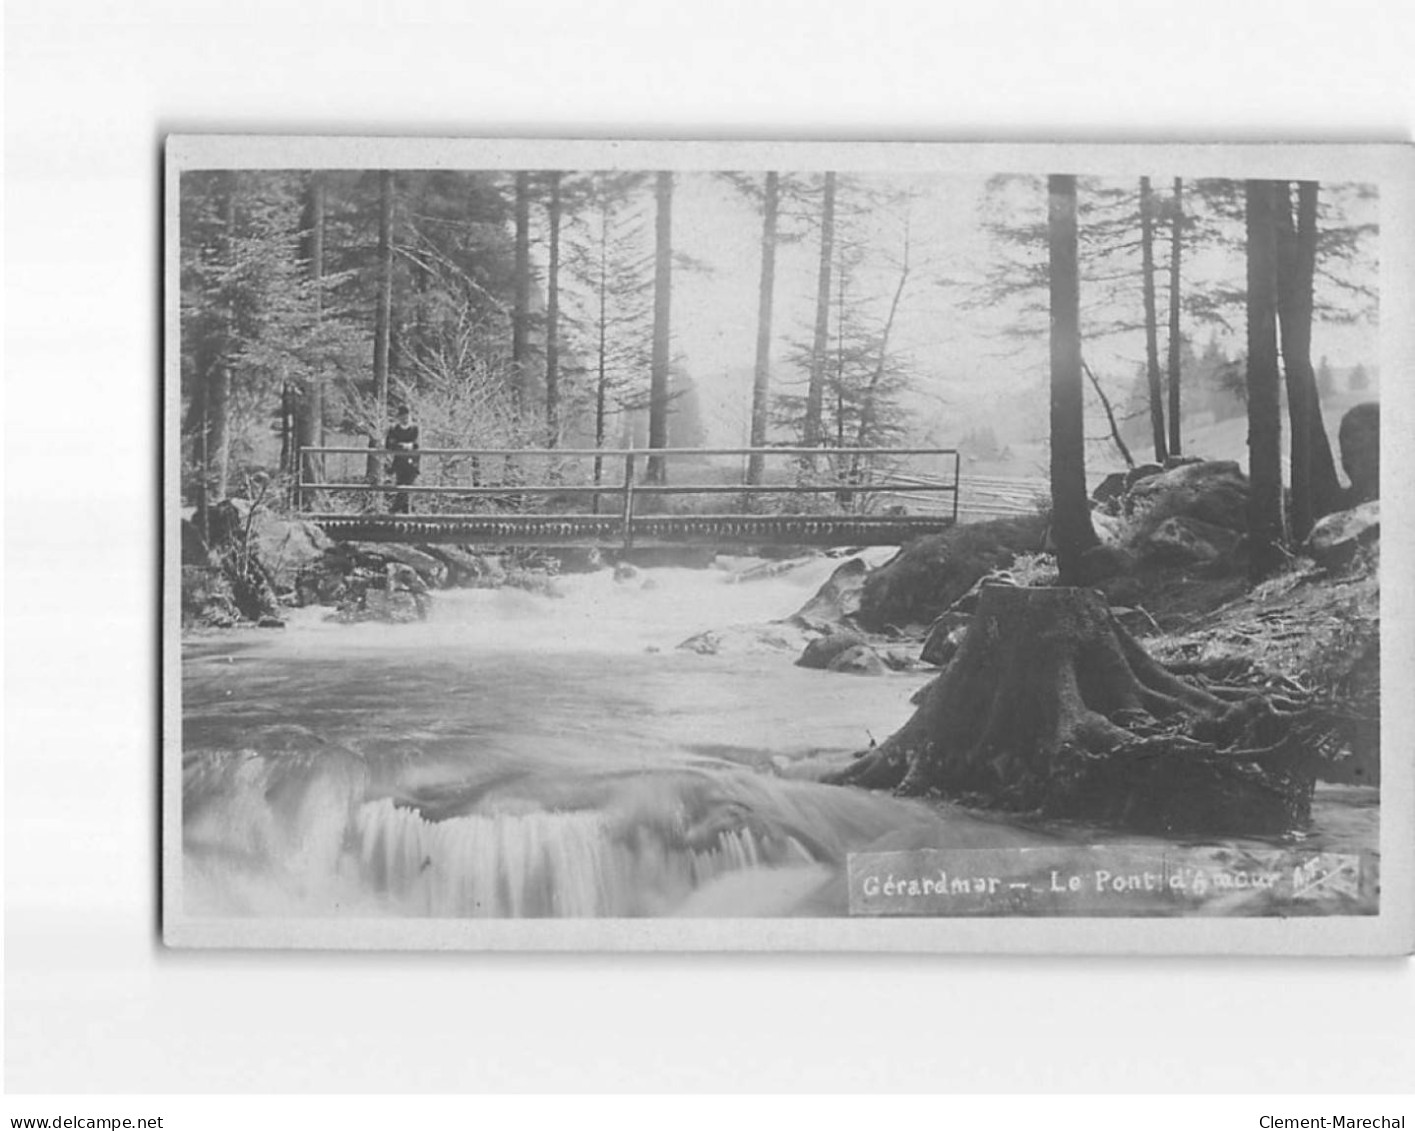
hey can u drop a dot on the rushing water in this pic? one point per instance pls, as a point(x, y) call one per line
point(526, 755)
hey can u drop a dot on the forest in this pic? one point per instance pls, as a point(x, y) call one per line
point(486, 315)
point(536, 309)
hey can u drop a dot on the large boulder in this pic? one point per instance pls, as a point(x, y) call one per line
point(929, 574)
point(1360, 439)
point(859, 660)
point(822, 652)
point(839, 598)
point(428, 567)
point(284, 546)
point(1337, 538)
point(1180, 540)
point(1213, 492)
point(466, 569)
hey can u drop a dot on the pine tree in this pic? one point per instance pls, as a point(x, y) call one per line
point(656, 471)
point(1071, 510)
point(1264, 423)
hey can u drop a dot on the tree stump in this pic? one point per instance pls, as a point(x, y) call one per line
point(1051, 706)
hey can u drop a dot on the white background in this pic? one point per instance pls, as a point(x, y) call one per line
point(93, 1003)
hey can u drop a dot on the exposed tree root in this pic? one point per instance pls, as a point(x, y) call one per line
point(1050, 705)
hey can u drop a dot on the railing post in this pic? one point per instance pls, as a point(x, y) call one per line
point(628, 514)
point(957, 483)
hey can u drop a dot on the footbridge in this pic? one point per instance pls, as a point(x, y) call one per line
point(628, 498)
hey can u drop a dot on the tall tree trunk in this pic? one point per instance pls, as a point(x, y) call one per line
point(1176, 240)
point(1315, 488)
point(815, 391)
point(383, 321)
point(761, 376)
point(552, 319)
point(1264, 421)
point(1070, 503)
point(1152, 352)
point(662, 310)
point(219, 393)
point(309, 430)
point(521, 310)
point(602, 376)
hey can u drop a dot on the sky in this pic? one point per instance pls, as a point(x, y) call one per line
point(965, 373)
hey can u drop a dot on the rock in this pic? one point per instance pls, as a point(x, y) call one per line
point(429, 568)
point(1109, 528)
point(403, 578)
point(1360, 440)
point(1214, 491)
point(1186, 541)
point(900, 660)
point(929, 574)
point(858, 660)
point(1110, 491)
point(838, 598)
point(577, 559)
point(944, 639)
point(397, 607)
point(625, 572)
point(534, 581)
point(465, 568)
point(746, 640)
point(1105, 561)
point(1141, 471)
point(1335, 539)
point(283, 546)
point(821, 652)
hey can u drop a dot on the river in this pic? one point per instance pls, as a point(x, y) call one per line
point(520, 754)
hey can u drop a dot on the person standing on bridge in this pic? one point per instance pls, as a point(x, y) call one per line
point(403, 437)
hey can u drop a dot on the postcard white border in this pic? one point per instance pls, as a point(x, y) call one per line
point(1392, 931)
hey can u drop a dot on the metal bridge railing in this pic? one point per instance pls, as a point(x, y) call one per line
point(857, 479)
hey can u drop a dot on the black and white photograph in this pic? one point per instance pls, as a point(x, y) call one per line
point(897, 536)
point(707, 564)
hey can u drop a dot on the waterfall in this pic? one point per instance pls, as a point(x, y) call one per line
point(550, 864)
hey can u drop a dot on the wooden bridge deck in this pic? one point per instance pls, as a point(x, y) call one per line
point(871, 479)
point(644, 530)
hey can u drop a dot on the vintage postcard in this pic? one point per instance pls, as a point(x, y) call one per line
point(787, 546)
